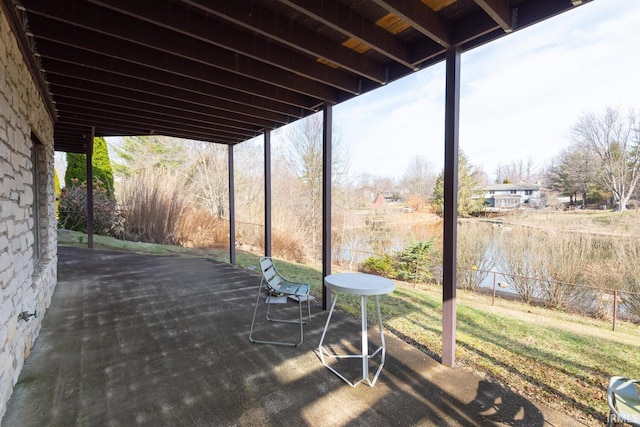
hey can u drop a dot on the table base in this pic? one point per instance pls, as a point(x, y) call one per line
point(365, 356)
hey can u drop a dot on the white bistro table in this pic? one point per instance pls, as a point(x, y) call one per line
point(364, 285)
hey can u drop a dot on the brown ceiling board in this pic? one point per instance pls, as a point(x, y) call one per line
point(129, 59)
point(165, 41)
point(130, 100)
point(344, 20)
point(160, 112)
point(103, 113)
point(127, 128)
point(94, 90)
point(420, 17)
point(175, 87)
point(500, 11)
point(183, 28)
point(158, 125)
point(253, 17)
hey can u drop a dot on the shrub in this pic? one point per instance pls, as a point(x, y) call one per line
point(414, 264)
point(151, 204)
point(72, 208)
point(474, 254)
point(380, 265)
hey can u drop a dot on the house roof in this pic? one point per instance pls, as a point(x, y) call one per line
point(226, 71)
point(508, 187)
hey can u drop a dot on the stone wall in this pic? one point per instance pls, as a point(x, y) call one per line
point(28, 257)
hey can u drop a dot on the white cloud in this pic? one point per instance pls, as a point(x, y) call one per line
point(520, 94)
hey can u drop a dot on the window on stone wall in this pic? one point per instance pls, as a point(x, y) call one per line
point(36, 158)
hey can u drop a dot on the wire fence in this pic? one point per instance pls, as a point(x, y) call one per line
point(597, 301)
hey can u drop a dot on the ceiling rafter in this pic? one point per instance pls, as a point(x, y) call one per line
point(103, 70)
point(420, 17)
point(253, 17)
point(201, 28)
point(118, 29)
point(500, 11)
point(142, 61)
point(352, 25)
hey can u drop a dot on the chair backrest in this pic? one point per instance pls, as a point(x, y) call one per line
point(270, 274)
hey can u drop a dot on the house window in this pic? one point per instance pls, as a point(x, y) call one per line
point(492, 192)
point(512, 192)
point(528, 192)
point(36, 147)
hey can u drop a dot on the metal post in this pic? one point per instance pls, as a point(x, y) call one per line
point(232, 209)
point(89, 158)
point(267, 193)
point(326, 202)
point(615, 308)
point(451, 130)
point(493, 300)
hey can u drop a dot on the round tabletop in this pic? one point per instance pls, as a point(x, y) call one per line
point(359, 284)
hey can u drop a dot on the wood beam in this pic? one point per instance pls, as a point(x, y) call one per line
point(187, 25)
point(352, 25)
point(500, 11)
point(255, 18)
point(420, 17)
point(116, 29)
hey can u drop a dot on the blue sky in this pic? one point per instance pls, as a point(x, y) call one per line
point(520, 95)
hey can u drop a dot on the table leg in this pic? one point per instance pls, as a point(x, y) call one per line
point(365, 339)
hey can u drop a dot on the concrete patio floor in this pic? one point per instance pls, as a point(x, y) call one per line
point(163, 341)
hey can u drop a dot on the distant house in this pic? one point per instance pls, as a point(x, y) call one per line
point(511, 196)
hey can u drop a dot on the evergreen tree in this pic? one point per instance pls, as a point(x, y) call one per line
point(77, 166)
point(102, 165)
point(469, 179)
point(76, 169)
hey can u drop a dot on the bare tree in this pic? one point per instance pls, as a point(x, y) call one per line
point(419, 179)
point(208, 179)
point(616, 141)
point(516, 171)
point(474, 253)
point(306, 160)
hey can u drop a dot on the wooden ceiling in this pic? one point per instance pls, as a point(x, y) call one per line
point(225, 71)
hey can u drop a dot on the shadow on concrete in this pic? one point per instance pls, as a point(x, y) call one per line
point(163, 341)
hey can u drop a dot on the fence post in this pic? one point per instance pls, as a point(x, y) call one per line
point(493, 300)
point(615, 308)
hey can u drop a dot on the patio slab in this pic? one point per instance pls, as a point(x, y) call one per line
point(163, 341)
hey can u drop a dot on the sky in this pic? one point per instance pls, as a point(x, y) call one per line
point(520, 95)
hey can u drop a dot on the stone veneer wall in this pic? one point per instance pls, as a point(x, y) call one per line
point(27, 281)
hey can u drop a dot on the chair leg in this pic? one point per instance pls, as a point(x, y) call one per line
point(300, 321)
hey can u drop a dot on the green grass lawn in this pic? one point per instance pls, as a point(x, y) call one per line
point(561, 359)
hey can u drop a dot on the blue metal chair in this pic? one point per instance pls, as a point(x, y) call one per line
point(277, 286)
point(623, 400)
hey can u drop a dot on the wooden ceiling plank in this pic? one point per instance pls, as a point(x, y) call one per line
point(102, 111)
point(164, 97)
point(155, 101)
point(150, 121)
point(139, 60)
point(347, 22)
point(135, 108)
point(187, 25)
point(255, 18)
point(167, 42)
point(112, 72)
point(500, 11)
point(420, 17)
point(129, 129)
